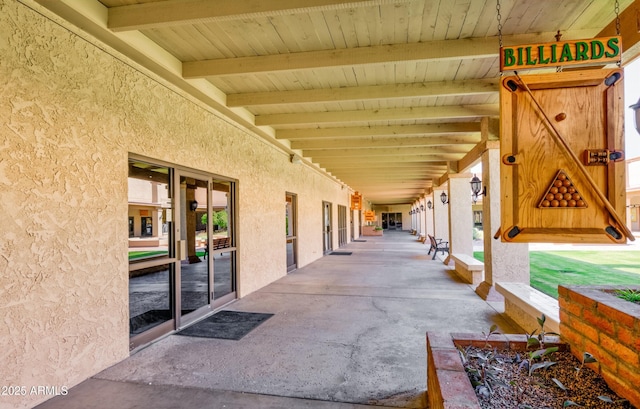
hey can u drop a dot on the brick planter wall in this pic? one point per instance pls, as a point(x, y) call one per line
point(448, 386)
point(594, 321)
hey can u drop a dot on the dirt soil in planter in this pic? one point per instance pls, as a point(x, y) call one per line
point(539, 391)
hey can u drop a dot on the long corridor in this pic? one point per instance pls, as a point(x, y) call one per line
point(347, 331)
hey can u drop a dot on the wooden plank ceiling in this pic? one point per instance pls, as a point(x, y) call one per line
point(384, 95)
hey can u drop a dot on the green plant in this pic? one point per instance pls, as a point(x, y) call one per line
point(537, 358)
point(534, 340)
point(587, 358)
point(628, 295)
point(218, 219)
point(377, 228)
point(492, 330)
point(485, 379)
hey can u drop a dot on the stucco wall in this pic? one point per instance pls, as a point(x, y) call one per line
point(70, 115)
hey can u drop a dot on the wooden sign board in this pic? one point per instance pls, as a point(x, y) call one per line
point(561, 53)
point(356, 201)
point(369, 216)
point(554, 192)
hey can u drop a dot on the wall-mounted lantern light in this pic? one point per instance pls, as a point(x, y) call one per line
point(443, 198)
point(429, 205)
point(193, 205)
point(636, 109)
point(476, 185)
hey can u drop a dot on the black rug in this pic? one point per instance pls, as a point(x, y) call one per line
point(360, 241)
point(226, 325)
point(340, 253)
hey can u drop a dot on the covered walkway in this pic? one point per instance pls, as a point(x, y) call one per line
point(347, 330)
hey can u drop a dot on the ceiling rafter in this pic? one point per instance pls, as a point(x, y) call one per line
point(382, 142)
point(414, 113)
point(375, 151)
point(439, 50)
point(393, 91)
point(327, 162)
point(383, 130)
point(468, 48)
point(184, 12)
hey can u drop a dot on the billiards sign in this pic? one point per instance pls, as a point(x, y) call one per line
point(561, 53)
point(562, 147)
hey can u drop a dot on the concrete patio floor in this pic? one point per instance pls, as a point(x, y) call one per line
point(347, 332)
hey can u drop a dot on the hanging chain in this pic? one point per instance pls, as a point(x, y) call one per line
point(617, 8)
point(499, 16)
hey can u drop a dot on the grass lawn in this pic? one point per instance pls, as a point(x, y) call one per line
point(550, 268)
point(134, 255)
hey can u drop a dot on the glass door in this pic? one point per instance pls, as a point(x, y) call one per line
point(290, 220)
point(222, 248)
point(152, 259)
point(193, 224)
point(326, 238)
point(342, 225)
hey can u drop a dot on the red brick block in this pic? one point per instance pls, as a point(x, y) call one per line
point(456, 390)
point(585, 301)
point(572, 337)
point(587, 330)
point(439, 340)
point(605, 359)
point(615, 315)
point(625, 354)
point(598, 321)
point(572, 308)
point(629, 374)
point(622, 388)
point(446, 359)
point(563, 292)
point(628, 337)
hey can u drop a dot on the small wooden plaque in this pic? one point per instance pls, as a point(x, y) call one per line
point(586, 109)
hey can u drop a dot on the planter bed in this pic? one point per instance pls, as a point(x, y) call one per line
point(448, 386)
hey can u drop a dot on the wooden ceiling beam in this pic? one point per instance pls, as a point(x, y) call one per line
point(326, 162)
point(375, 152)
point(393, 130)
point(463, 49)
point(413, 113)
point(416, 141)
point(441, 50)
point(414, 90)
point(183, 12)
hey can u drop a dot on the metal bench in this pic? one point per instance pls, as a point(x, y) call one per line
point(437, 245)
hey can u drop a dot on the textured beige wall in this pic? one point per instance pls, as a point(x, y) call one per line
point(70, 115)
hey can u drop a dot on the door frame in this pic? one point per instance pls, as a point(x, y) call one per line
point(189, 318)
point(293, 230)
point(327, 228)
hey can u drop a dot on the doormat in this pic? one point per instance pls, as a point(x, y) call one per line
point(360, 241)
point(226, 325)
point(341, 253)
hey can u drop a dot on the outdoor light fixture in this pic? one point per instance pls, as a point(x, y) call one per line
point(636, 109)
point(194, 205)
point(476, 184)
point(429, 205)
point(443, 198)
point(422, 207)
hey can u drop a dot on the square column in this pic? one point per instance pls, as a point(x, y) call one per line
point(440, 216)
point(429, 214)
point(503, 262)
point(460, 214)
